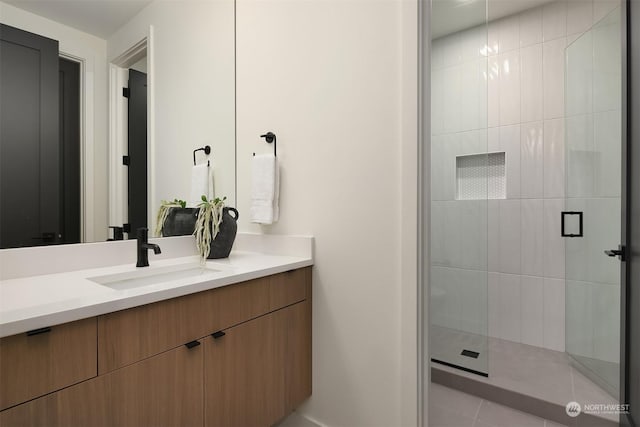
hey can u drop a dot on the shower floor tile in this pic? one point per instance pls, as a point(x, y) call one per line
point(523, 370)
point(449, 407)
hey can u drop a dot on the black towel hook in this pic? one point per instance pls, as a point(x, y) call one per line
point(207, 151)
point(270, 137)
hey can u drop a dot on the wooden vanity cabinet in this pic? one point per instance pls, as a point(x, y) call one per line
point(38, 362)
point(127, 336)
point(259, 371)
point(238, 355)
point(164, 390)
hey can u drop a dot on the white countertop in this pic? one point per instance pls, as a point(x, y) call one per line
point(29, 303)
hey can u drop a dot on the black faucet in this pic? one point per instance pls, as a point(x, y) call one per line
point(144, 246)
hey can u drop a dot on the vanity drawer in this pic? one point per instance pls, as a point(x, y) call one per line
point(127, 336)
point(289, 287)
point(39, 362)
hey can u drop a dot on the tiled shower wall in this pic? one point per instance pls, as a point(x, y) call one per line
point(501, 89)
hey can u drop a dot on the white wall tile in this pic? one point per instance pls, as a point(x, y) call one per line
point(510, 144)
point(493, 235)
point(607, 60)
point(473, 89)
point(554, 307)
point(474, 303)
point(579, 81)
point(579, 318)
point(437, 54)
point(531, 160)
point(493, 38)
point(509, 307)
point(439, 233)
point(452, 50)
point(509, 87)
point(443, 174)
point(510, 237)
point(553, 242)
point(602, 8)
point(554, 158)
point(493, 92)
point(467, 234)
point(453, 98)
point(494, 314)
point(607, 137)
point(554, 20)
point(532, 251)
point(579, 16)
point(446, 298)
point(531, 27)
point(531, 86)
point(532, 310)
point(583, 161)
point(606, 331)
point(553, 60)
point(473, 41)
point(504, 306)
point(509, 33)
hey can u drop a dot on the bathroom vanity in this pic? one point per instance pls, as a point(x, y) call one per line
point(229, 349)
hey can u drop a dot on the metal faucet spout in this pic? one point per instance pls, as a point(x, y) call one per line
point(144, 246)
point(156, 248)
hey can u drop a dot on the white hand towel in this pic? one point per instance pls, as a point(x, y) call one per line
point(264, 189)
point(200, 184)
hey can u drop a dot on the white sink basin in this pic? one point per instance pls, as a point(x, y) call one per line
point(146, 277)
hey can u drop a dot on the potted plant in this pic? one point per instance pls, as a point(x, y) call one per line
point(212, 224)
point(175, 219)
point(215, 228)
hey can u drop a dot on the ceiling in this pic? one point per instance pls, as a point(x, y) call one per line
point(450, 16)
point(98, 17)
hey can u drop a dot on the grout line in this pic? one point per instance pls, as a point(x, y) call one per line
point(475, 417)
point(573, 387)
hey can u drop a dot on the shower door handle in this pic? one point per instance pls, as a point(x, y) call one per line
point(562, 228)
point(620, 253)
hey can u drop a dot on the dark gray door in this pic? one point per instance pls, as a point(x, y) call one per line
point(29, 149)
point(631, 297)
point(70, 150)
point(137, 146)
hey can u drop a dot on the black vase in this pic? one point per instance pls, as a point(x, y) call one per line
point(180, 222)
point(222, 244)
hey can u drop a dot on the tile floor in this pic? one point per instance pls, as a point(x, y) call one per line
point(295, 420)
point(452, 408)
point(533, 371)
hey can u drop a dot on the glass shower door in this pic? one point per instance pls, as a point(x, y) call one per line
point(592, 217)
point(464, 175)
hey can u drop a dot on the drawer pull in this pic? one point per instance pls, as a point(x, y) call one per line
point(192, 344)
point(39, 331)
point(218, 334)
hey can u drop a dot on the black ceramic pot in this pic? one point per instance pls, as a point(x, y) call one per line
point(222, 244)
point(180, 222)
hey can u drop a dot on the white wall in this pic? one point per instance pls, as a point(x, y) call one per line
point(327, 77)
point(193, 85)
point(503, 90)
point(93, 50)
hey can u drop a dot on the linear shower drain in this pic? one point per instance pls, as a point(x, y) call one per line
point(470, 353)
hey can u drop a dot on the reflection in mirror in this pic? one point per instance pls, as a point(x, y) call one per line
point(64, 137)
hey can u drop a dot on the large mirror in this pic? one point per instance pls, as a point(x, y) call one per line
point(134, 88)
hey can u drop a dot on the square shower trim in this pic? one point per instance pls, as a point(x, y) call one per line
point(481, 176)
